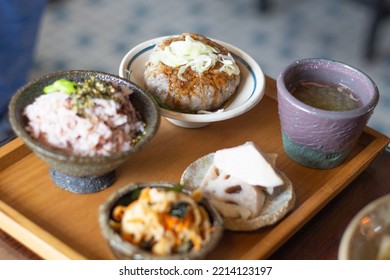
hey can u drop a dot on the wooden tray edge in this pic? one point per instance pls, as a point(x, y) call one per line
point(34, 237)
point(19, 226)
point(12, 152)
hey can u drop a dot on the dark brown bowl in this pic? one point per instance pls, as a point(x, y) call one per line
point(81, 174)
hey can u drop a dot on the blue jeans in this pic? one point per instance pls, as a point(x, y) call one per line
point(19, 25)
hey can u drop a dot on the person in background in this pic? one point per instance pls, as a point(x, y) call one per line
point(19, 27)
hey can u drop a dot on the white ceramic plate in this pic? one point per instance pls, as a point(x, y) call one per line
point(249, 92)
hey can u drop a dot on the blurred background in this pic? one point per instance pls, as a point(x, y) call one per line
point(96, 34)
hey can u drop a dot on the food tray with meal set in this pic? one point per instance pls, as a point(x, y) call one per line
point(58, 224)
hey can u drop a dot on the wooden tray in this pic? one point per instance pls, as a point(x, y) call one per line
point(57, 224)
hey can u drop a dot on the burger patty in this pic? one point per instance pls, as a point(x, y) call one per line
point(192, 91)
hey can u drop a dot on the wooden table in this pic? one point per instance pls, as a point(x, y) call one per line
point(312, 231)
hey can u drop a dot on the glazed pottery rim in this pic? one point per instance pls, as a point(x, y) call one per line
point(59, 154)
point(366, 108)
point(345, 243)
point(113, 238)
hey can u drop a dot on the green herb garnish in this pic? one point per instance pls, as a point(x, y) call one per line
point(81, 95)
point(89, 89)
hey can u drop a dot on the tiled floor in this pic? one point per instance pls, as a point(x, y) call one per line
point(96, 34)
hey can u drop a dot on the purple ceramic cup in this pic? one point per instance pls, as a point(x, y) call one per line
point(319, 138)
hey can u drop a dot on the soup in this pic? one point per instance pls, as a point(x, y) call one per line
point(328, 97)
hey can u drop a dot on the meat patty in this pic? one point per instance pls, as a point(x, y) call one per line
point(183, 86)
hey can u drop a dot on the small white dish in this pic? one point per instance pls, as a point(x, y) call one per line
point(249, 92)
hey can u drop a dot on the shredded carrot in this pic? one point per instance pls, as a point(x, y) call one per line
point(184, 223)
point(170, 221)
point(135, 220)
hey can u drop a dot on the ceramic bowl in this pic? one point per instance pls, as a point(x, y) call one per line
point(125, 250)
point(248, 94)
point(368, 232)
point(81, 174)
